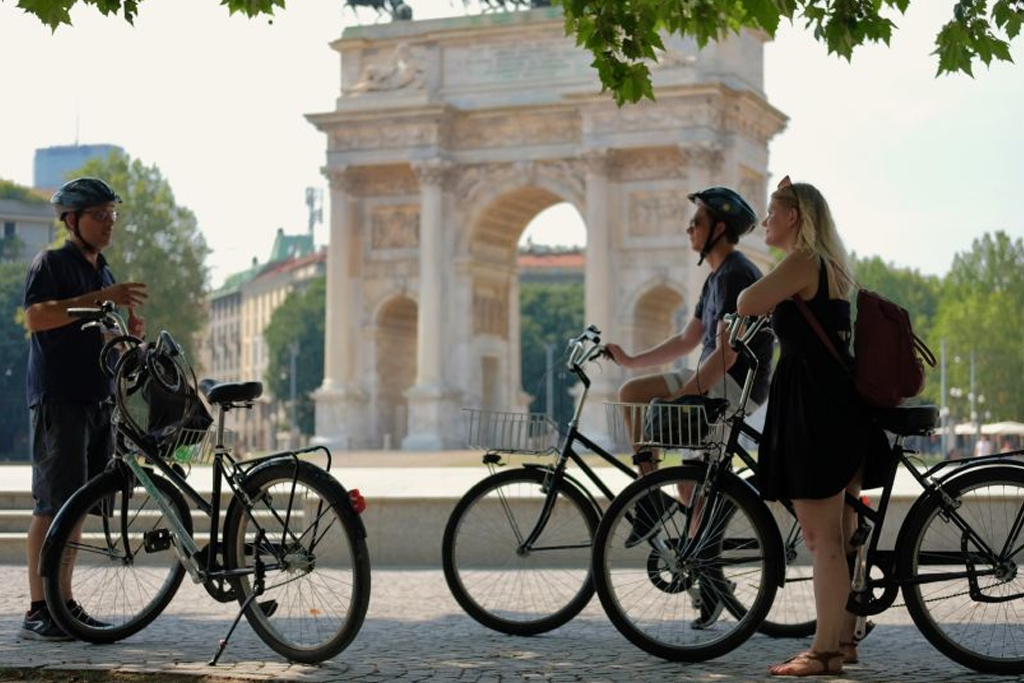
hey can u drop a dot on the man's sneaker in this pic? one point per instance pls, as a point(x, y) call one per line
point(709, 598)
point(39, 625)
point(649, 514)
point(78, 612)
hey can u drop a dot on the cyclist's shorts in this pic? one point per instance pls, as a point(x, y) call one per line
point(727, 388)
point(71, 443)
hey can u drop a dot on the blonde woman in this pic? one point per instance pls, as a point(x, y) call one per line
point(818, 441)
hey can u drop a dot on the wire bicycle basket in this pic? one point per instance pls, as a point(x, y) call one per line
point(508, 432)
point(695, 422)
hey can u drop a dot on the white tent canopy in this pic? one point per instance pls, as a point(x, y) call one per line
point(994, 429)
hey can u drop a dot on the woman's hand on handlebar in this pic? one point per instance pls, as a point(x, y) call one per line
point(618, 355)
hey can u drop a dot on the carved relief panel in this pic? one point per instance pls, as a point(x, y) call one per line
point(394, 227)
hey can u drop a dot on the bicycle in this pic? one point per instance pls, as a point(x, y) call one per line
point(516, 548)
point(290, 549)
point(707, 577)
point(955, 558)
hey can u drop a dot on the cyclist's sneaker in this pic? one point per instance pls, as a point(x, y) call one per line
point(709, 598)
point(39, 625)
point(78, 612)
point(650, 513)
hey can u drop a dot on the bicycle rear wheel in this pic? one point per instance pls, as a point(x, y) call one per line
point(967, 595)
point(687, 599)
point(305, 549)
point(110, 550)
point(499, 583)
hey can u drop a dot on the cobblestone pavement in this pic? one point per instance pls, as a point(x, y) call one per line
point(416, 632)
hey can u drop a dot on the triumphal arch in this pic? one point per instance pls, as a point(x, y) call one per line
point(447, 138)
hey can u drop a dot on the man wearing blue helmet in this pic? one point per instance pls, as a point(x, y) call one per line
point(721, 217)
point(68, 392)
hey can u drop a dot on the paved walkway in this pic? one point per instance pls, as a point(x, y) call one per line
point(415, 632)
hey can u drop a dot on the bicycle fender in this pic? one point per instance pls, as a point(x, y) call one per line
point(346, 501)
point(572, 481)
point(117, 473)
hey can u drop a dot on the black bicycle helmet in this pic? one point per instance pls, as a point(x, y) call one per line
point(81, 193)
point(729, 207)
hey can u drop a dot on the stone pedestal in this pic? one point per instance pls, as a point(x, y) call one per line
point(434, 423)
point(342, 418)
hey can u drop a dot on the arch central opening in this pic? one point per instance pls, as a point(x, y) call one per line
point(528, 299)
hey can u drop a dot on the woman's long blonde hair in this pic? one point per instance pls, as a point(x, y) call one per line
point(818, 234)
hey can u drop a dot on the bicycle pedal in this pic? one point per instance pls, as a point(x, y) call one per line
point(268, 607)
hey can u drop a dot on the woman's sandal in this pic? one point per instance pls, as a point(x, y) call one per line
point(810, 663)
point(849, 649)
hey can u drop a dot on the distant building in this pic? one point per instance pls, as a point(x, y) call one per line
point(551, 264)
point(27, 223)
point(233, 347)
point(53, 164)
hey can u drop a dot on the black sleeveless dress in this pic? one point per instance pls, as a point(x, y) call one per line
point(817, 430)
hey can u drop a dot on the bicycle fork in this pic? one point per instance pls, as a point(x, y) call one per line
point(859, 577)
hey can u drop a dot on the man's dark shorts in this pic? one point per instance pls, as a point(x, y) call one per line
point(71, 443)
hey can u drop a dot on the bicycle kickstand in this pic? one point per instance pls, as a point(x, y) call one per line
point(257, 590)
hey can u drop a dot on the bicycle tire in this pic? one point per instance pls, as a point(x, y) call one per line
point(793, 613)
point(302, 529)
point(121, 596)
point(981, 635)
point(480, 552)
point(654, 592)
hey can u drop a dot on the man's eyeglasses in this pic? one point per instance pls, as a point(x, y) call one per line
point(102, 215)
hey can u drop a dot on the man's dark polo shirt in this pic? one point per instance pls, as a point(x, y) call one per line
point(63, 363)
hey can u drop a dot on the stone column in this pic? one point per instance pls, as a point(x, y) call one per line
point(599, 294)
point(340, 404)
point(431, 402)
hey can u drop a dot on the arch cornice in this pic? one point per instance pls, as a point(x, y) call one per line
point(661, 280)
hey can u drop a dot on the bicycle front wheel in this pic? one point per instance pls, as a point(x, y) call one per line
point(503, 583)
point(305, 555)
point(687, 595)
point(108, 562)
point(964, 587)
point(793, 613)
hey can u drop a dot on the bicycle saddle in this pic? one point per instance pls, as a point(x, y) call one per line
point(907, 420)
point(230, 392)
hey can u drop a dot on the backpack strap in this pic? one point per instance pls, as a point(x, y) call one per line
point(816, 326)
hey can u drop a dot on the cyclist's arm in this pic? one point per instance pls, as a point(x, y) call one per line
point(713, 368)
point(798, 273)
point(669, 350)
point(49, 315)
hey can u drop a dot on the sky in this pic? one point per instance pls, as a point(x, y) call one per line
point(915, 167)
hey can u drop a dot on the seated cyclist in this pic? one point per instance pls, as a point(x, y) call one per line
point(721, 218)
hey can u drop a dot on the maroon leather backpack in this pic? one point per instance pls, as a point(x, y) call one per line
point(888, 356)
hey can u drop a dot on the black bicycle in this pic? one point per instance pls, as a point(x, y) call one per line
point(516, 548)
point(955, 559)
point(290, 548)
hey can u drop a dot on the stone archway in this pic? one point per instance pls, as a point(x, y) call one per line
point(439, 158)
point(656, 317)
point(395, 345)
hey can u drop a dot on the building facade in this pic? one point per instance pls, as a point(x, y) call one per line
point(28, 228)
point(233, 347)
point(51, 165)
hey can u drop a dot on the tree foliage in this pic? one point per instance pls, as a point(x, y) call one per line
point(157, 242)
point(12, 190)
point(919, 294)
point(551, 313)
point(298, 320)
point(982, 313)
point(13, 361)
point(623, 35)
